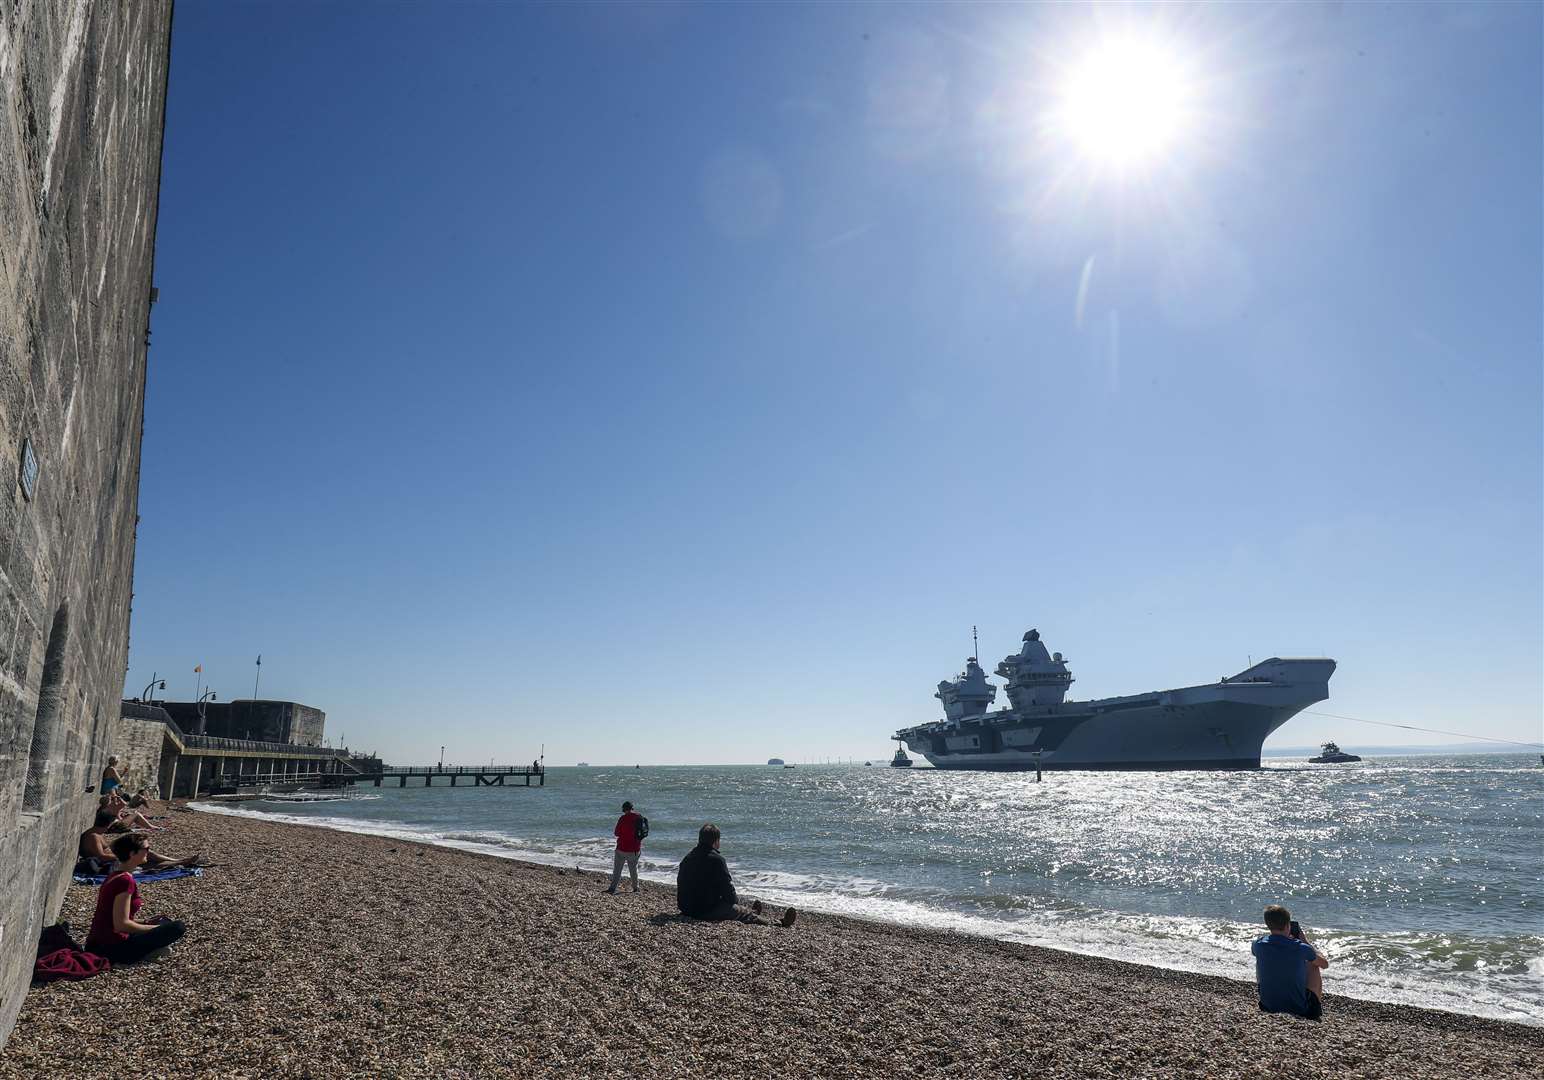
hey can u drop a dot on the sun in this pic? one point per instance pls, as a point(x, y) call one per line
point(1125, 102)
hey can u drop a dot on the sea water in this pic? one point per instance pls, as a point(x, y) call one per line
point(1422, 878)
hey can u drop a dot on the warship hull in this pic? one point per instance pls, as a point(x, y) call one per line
point(1217, 726)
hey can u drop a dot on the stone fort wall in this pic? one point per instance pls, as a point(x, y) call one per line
point(138, 744)
point(82, 96)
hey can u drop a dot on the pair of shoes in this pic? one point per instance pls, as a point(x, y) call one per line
point(789, 915)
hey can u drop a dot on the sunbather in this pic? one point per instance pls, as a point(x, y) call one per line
point(128, 818)
point(95, 857)
point(116, 933)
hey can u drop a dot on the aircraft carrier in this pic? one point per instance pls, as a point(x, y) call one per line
point(1219, 725)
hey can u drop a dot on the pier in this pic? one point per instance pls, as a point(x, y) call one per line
point(480, 775)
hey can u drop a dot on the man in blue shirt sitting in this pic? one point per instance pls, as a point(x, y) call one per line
point(1287, 968)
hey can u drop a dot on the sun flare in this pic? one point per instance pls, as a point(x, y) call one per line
point(1127, 101)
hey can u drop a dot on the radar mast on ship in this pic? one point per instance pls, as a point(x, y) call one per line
point(1035, 676)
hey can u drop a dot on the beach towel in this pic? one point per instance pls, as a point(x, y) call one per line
point(147, 875)
point(69, 964)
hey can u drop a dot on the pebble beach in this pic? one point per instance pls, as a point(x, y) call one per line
point(313, 953)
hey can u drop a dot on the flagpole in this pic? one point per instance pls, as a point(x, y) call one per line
point(258, 676)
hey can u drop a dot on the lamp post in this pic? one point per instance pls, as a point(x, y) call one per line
point(203, 700)
point(144, 695)
point(442, 759)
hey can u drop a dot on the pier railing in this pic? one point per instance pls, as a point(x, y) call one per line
point(457, 770)
point(481, 775)
point(256, 746)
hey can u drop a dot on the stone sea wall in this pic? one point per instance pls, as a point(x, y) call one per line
point(138, 745)
point(82, 96)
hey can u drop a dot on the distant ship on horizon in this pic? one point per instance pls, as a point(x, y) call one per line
point(1219, 725)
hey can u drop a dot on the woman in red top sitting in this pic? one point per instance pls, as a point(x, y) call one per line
point(115, 932)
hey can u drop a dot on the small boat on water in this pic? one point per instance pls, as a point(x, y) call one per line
point(1332, 755)
point(900, 760)
point(787, 766)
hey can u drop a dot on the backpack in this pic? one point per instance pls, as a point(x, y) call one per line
point(56, 937)
point(642, 826)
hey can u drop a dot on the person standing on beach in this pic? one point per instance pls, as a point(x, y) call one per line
point(704, 889)
point(116, 933)
point(1287, 968)
point(629, 834)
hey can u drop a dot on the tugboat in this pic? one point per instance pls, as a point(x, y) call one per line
point(1332, 755)
point(900, 760)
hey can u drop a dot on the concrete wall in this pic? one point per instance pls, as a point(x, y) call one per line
point(82, 92)
point(262, 720)
point(306, 725)
point(138, 744)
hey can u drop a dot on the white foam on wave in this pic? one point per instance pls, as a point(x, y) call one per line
point(1182, 943)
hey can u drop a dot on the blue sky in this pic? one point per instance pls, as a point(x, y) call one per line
point(682, 382)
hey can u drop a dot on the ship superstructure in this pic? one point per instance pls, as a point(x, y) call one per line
point(1219, 725)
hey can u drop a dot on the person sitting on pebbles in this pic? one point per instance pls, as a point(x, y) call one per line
point(704, 889)
point(112, 779)
point(1287, 968)
point(96, 857)
point(116, 932)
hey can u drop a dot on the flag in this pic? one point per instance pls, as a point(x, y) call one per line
point(199, 670)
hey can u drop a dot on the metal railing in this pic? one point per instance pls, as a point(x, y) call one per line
point(456, 770)
point(140, 711)
point(255, 746)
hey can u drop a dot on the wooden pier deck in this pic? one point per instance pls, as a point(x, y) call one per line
point(480, 775)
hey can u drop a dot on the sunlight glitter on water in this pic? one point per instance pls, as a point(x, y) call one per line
point(1421, 877)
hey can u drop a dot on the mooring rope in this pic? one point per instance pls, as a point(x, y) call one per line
point(1429, 731)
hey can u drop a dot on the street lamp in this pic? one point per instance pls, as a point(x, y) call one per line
point(203, 700)
point(144, 695)
point(442, 759)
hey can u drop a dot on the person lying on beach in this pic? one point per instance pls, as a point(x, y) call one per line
point(139, 799)
point(96, 857)
point(1287, 968)
point(116, 932)
point(704, 889)
point(127, 818)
